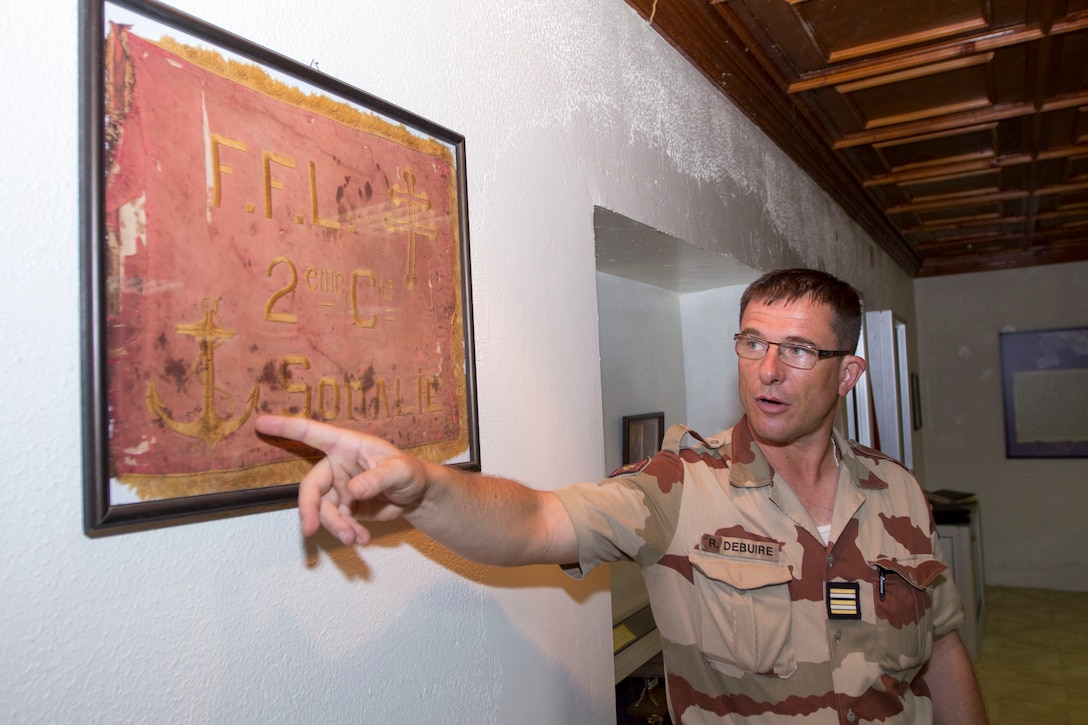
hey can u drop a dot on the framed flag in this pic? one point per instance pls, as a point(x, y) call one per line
point(257, 237)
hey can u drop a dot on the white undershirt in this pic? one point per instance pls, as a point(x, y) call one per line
point(825, 531)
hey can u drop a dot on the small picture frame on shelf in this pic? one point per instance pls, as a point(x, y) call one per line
point(642, 436)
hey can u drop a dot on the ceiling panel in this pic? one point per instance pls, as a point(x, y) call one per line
point(954, 131)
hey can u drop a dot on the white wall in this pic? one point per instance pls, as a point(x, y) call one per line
point(662, 350)
point(711, 318)
point(1033, 509)
point(642, 357)
point(565, 105)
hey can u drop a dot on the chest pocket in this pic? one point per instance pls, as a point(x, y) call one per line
point(902, 604)
point(743, 614)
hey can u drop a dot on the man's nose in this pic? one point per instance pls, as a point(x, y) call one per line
point(770, 367)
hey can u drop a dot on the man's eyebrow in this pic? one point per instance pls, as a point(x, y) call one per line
point(801, 341)
point(792, 339)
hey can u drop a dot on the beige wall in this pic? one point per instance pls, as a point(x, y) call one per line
point(1033, 509)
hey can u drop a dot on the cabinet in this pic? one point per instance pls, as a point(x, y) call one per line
point(961, 541)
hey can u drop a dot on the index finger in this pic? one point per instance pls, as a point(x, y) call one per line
point(311, 432)
point(318, 480)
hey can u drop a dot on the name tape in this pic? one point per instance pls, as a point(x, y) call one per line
point(766, 550)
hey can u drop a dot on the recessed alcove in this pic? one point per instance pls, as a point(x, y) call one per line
point(667, 310)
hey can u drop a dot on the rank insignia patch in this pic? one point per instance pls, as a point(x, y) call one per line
point(843, 600)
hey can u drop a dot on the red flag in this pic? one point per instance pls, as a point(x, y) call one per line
point(269, 251)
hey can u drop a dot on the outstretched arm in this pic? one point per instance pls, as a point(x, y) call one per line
point(487, 519)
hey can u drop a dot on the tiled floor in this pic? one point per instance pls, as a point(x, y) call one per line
point(1033, 667)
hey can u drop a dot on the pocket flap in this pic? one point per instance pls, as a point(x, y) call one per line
point(739, 574)
point(918, 571)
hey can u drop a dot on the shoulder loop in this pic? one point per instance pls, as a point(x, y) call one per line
point(866, 452)
point(674, 437)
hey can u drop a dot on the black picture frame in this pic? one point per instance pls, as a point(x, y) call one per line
point(108, 507)
point(642, 435)
point(1044, 380)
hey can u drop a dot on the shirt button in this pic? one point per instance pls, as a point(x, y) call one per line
point(851, 716)
point(830, 560)
point(838, 636)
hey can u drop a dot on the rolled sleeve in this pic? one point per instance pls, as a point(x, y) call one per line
point(619, 519)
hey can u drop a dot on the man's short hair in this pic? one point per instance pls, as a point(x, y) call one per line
point(791, 285)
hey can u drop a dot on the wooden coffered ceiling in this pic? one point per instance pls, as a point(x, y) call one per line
point(954, 131)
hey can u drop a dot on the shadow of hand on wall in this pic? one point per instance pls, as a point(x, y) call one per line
point(388, 536)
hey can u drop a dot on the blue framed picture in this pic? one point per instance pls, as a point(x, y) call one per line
point(1044, 376)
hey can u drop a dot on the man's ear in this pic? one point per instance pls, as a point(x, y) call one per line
point(850, 372)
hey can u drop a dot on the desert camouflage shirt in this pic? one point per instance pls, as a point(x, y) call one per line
point(760, 620)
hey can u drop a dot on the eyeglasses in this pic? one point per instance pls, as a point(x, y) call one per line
point(802, 357)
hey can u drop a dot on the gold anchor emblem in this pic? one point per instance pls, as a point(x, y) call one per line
point(209, 427)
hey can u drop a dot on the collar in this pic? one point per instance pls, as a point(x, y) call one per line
point(854, 456)
point(748, 467)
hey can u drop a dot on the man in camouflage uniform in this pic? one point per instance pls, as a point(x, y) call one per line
point(758, 617)
point(792, 574)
